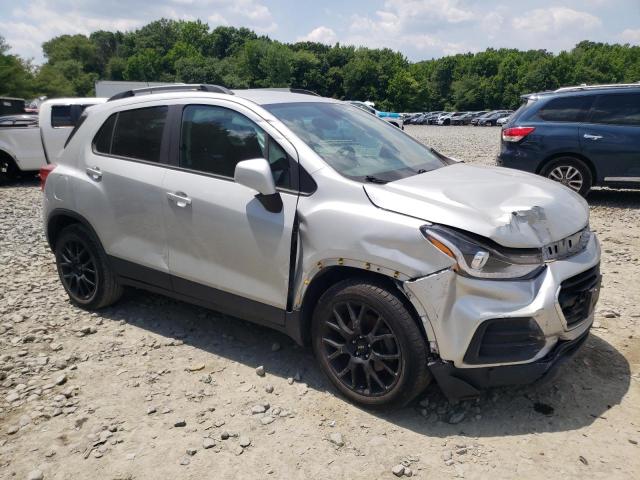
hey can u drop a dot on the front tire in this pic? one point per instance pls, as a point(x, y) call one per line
point(369, 345)
point(571, 172)
point(84, 270)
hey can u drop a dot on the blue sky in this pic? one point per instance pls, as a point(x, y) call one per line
point(421, 29)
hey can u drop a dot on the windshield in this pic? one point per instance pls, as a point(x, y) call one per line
point(355, 143)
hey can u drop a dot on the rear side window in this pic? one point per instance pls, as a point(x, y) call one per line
point(566, 109)
point(61, 116)
point(66, 115)
point(618, 109)
point(135, 134)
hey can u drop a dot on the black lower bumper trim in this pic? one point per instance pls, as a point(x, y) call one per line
point(460, 383)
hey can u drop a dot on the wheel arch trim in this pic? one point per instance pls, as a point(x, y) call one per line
point(331, 271)
point(53, 225)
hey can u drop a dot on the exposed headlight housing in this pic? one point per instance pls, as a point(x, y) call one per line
point(479, 257)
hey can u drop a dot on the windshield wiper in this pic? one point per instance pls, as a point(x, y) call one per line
point(372, 179)
point(422, 170)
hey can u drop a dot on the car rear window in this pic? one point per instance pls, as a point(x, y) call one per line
point(566, 109)
point(617, 109)
point(135, 134)
point(61, 116)
point(66, 115)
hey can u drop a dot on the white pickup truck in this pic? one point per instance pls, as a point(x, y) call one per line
point(27, 142)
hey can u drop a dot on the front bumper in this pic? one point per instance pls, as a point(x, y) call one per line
point(460, 383)
point(453, 308)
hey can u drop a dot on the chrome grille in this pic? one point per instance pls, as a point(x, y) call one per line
point(567, 246)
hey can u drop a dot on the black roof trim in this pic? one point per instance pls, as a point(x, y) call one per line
point(172, 88)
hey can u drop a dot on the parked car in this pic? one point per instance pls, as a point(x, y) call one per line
point(11, 106)
point(502, 121)
point(420, 119)
point(411, 118)
point(458, 118)
point(480, 118)
point(445, 118)
point(492, 120)
point(424, 118)
point(579, 136)
point(23, 138)
point(395, 263)
point(393, 118)
point(33, 106)
point(433, 118)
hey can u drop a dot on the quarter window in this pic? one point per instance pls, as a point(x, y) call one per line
point(102, 141)
point(566, 109)
point(214, 139)
point(619, 109)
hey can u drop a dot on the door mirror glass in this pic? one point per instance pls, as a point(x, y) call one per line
point(255, 174)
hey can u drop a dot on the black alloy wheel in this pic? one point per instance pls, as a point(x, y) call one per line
point(361, 349)
point(78, 270)
point(367, 340)
point(84, 269)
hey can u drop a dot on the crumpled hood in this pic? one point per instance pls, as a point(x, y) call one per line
point(513, 208)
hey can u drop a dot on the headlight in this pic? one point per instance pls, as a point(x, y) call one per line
point(482, 258)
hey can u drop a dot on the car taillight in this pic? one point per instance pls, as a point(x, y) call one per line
point(44, 173)
point(515, 134)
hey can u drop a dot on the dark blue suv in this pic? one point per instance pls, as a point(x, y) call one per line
point(579, 136)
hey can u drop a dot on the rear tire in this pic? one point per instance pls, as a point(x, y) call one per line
point(84, 270)
point(8, 170)
point(571, 172)
point(369, 345)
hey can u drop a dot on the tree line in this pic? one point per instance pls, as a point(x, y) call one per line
point(191, 52)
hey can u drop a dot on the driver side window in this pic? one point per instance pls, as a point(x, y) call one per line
point(214, 139)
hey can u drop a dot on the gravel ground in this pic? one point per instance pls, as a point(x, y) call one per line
point(154, 388)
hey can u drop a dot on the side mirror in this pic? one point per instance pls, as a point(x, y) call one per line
point(255, 174)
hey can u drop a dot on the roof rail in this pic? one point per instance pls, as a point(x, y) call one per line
point(584, 86)
point(301, 91)
point(172, 88)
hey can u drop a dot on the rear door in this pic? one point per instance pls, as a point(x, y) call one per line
point(557, 125)
point(122, 193)
point(226, 247)
point(611, 137)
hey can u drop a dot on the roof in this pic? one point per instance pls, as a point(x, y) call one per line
point(74, 101)
point(261, 96)
point(584, 88)
point(265, 96)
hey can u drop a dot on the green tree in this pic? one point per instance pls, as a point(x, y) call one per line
point(16, 76)
point(188, 51)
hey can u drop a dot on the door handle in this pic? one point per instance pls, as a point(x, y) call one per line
point(179, 198)
point(592, 137)
point(94, 173)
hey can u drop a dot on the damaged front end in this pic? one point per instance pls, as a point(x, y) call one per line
point(504, 316)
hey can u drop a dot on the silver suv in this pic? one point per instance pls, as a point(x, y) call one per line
point(308, 215)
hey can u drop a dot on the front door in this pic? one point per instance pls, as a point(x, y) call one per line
point(611, 138)
point(225, 247)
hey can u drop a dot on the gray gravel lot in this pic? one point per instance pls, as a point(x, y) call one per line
point(155, 388)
